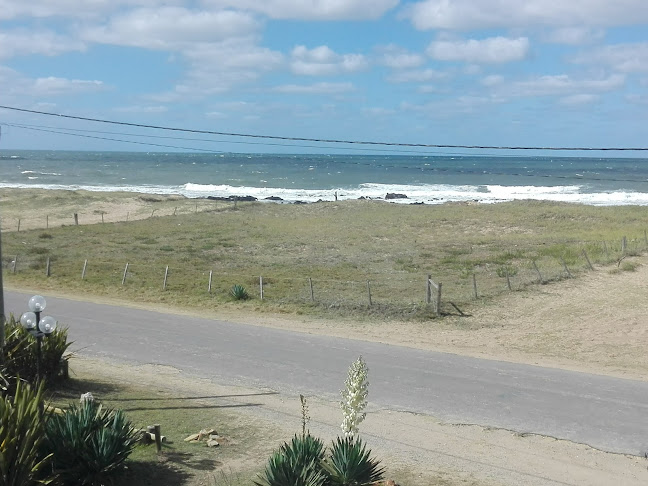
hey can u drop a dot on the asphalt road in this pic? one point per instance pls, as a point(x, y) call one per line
point(603, 412)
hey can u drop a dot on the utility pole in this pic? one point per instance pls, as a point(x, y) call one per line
point(2, 310)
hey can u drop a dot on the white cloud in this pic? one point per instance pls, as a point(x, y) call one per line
point(171, 28)
point(574, 35)
point(316, 88)
point(313, 9)
point(22, 42)
point(485, 51)
point(627, 58)
point(51, 86)
point(492, 80)
point(323, 61)
point(142, 109)
point(378, 111)
point(396, 57)
point(486, 14)
point(579, 99)
point(14, 9)
point(17, 85)
point(417, 76)
point(563, 84)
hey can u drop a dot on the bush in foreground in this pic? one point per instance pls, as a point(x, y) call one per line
point(90, 443)
point(21, 436)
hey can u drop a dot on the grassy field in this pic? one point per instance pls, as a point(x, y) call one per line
point(340, 250)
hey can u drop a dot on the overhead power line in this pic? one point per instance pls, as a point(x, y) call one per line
point(321, 140)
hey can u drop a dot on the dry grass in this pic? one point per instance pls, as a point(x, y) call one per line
point(340, 246)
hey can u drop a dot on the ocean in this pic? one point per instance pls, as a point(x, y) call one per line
point(308, 178)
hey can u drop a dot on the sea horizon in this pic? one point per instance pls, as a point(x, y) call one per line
point(421, 178)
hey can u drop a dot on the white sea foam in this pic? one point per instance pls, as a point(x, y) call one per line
point(427, 194)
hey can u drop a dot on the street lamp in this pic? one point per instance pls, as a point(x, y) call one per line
point(37, 326)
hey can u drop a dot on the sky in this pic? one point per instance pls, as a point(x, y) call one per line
point(457, 72)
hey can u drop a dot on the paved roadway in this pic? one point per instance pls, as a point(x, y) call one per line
point(604, 412)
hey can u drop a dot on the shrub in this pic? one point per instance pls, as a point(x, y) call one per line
point(21, 435)
point(298, 463)
point(350, 464)
point(20, 353)
point(238, 292)
point(91, 442)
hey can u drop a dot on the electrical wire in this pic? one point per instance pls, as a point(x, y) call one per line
point(333, 141)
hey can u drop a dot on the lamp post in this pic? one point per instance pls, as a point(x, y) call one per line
point(38, 326)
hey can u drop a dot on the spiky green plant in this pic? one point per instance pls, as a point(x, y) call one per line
point(350, 464)
point(90, 443)
point(354, 397)
point(298, 463)
point(238, 292)
point(21, 435)
point(20, 353)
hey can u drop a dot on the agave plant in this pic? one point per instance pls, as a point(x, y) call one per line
point(238, 292)
point(90, 442)
point(350, 464)
point(21, 435)
point(298, 463)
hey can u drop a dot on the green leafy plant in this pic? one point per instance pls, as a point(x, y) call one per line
point(297, 463)
point(350, 464)
point(238, 292)
point(504, 270)
point(21, 435)
point(20, 353)
point(354, 397)
point(91, 442)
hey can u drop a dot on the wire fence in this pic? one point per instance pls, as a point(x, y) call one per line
point(404, 292)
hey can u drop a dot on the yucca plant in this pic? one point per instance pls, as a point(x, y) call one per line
point(350, 464)
point(89, 442)
point(21, 435)
point(297, 463)
point(238, 292)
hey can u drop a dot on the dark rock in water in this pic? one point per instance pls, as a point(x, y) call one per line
point(300, 202)
point(416, 204)
point(394, 195)
point(273, 198)
point(232, 198)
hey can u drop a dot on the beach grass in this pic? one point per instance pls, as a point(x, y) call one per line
point(322, 258)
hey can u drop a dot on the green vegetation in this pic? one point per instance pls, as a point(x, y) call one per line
point(89, 442)
point(20, 353)
point(238, 292)
point(21, 437)
point(339, 246)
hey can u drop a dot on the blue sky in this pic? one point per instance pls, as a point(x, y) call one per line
point(483, 72)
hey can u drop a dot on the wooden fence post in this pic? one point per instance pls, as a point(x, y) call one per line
point(438, 300)
point(125, 272)
point(209, 283)
point(47, 221)
point(540, 280)
point(83, 272)
point(588, 260)
point(310, 283)
point(565, 267)
point(607, 252)
point(15, 264)
point(475, 286)
point(166, 274)
point(508, 278)
point(428, 296)
point(369, 292)
point(428, 290)
point(624, 244)
point(76, 219)
point(646, 237)
point(261, 287)
point(47, 267)
point(18, 225)
point(158, 438)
